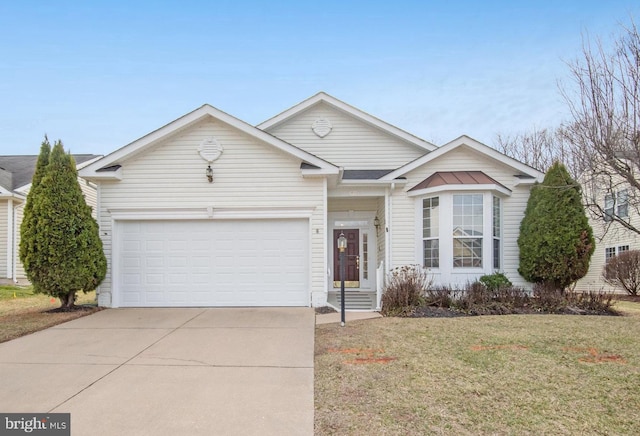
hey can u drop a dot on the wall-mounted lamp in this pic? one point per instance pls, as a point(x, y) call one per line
point(376, 222)
point(209, 174)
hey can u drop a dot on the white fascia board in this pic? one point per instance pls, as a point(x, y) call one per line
point(12, 196)
point(377, 182)
point(460, 188)
point(357, 191)
point(350, 110)
point(526, 182)
point(184, 122)
point(210, 212)
point(320, 172)
point(465, 141)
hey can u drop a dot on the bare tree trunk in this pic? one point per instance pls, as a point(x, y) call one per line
point(68, 301)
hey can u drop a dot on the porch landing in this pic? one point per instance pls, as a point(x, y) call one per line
point(354, 300)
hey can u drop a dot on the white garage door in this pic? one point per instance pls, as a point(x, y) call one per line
point(212, 263)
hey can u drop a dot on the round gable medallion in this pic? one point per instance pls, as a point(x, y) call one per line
point(321, 127)
point(210, 149)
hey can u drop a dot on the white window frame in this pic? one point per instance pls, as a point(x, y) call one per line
point(613, 251)
point(622, 203)
point(446, 268)
point(432, 237)
point(473, 238)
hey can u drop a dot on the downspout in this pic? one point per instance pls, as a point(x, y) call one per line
point(10, 238)
point(15, 248)
point(387, 230)
point(325, 237)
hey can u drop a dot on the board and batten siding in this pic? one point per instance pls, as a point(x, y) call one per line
point(249, 175)
point(4, 237)
point(404, 238)
point(351, 144)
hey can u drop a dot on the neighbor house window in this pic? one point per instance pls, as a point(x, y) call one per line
point(496, 232)
point(616, 203)
point(622, 204)
point(431, 232)
point(608, 207)
point(467, 230)
point(611, 252)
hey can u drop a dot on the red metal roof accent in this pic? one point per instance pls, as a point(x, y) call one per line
point(455, 178)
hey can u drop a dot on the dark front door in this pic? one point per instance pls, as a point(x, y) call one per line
point(351, 258)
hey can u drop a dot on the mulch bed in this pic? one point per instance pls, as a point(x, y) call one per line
point(443, 312)
point(75, 308)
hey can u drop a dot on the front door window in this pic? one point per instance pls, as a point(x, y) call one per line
point(351, 258)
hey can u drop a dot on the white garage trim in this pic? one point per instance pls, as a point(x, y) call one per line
point(236, 291)
point(210, 212)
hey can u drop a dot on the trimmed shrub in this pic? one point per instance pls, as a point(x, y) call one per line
point(623, 271)
point(495, 281)
point(405, 290)
point(556, 241)
point(61, 248)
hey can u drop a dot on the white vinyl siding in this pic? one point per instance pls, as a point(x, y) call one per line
point(4, 237)
point(608, 234)
point(20, 274)
point(461, 159)
point(248, 176)
point(351, 144)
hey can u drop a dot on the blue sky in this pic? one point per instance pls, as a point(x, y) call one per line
point(99, 75)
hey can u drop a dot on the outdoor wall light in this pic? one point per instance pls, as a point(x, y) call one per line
point(209, 174)
point(376, 223)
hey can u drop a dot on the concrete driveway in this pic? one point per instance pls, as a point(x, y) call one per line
point(168, 372)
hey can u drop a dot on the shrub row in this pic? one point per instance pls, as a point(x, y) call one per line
point(410, 288)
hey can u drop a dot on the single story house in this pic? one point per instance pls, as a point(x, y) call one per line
point(209, 210)
point(16, 173)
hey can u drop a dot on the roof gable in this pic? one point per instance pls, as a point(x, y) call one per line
point(19, 169)
point(354, 112)
point(464, 141)
point(108, 166)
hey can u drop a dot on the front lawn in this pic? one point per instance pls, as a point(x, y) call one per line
point(511, 374)
point(23, 312)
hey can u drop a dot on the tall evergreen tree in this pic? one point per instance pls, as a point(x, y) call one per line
point(69, 256)
point(556, 241)
point(29, 228)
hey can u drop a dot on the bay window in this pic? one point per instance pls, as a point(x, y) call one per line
point(460, 231)
point(467, 233)
point(430, 232)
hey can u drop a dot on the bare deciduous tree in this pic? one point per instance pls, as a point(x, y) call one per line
point(540, 148)
point(604, 132)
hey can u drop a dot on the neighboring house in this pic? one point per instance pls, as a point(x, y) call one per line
point(612, 238)
point(211, 211)
point(16, 173)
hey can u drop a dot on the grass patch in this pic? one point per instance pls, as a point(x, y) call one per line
point(510, 374)
point(27, 312)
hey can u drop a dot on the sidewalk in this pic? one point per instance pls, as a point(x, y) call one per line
point(329, 318)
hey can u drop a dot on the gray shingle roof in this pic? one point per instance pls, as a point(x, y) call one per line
point(23, 167)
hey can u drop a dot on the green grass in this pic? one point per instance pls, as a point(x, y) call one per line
point(23, 312)
point(14, 291)
point(512, 374)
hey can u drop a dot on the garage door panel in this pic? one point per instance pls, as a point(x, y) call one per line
point(213, 263)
